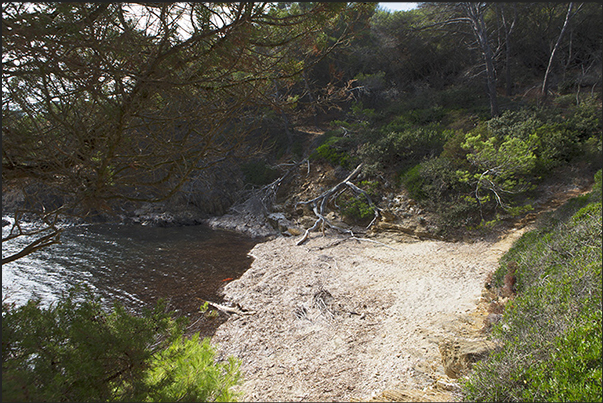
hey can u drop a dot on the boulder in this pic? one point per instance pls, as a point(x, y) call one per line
point(459, 355)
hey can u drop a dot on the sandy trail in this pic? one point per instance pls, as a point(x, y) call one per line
point(338, 319)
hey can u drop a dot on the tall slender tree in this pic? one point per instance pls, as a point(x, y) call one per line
point(545, 81)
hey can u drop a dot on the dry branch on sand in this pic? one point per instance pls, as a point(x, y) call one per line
point(320, 202)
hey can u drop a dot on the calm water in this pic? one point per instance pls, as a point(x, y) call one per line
point(133, 264)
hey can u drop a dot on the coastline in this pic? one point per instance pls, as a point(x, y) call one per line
point(339, 319)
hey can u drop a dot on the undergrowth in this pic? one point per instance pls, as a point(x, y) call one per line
point(76, 351)
point(550, 335)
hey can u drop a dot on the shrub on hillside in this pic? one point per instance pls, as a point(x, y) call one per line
point(258, 173)
point(550, 334)
point(393, 150)
point(518, 124)
point(586, 119)
point(435, 185)
point(559, 144)
point(334, 151)
point(357, 207)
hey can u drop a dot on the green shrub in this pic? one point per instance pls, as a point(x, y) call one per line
point(76, 351)
point(397, 150)
point(357, 207)
point(499, 168)
point(551, 331)
point(258, 173)
point(558, 144)
point(518, 124)
point(413, 183)
point(595, 194)
point(574, 370)
point(186, 372)
point(453, 150)
point(333, 152)
point(422, 117)
point(586, 119)
point(435, 185)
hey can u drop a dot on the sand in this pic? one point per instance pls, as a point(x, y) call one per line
point(342, 319)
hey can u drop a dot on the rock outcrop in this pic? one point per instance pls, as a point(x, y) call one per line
point(459, 355)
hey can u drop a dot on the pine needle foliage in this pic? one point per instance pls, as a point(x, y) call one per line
point(74, 350)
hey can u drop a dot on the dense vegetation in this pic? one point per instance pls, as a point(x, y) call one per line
point(418, 113)
point(74, 350)
point(550, 336)
point(468, 108)
point(478, 176)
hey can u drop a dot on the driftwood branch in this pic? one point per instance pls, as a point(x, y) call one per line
point(230, 310)
point(320, 202)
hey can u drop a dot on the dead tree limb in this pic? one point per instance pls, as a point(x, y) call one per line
point(259, 202)
point(230, 310)
point(319, 204)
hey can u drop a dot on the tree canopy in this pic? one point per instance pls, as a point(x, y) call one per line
point(105, 102)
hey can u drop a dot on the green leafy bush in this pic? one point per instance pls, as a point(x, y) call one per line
point(425, 116)
point(550, 334)
point(413, 182)
point(558, 145)
point(586, 119)
point(332, 152)
point(357, 207)
point(396, 150)
point(76, 351)
point(435, 185)
point(500, 167)
point(186, 372)
point(518, 124)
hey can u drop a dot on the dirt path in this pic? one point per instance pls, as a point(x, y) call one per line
point(339, 319)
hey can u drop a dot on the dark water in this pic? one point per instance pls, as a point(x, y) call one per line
point(135, 265)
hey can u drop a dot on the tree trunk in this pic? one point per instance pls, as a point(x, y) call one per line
point(474, 11)
point(508, 32)
point(312, 99)
point(545, 82)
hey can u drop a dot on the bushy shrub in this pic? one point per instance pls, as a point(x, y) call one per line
point(500, 167)
point(425, 116)
point(186, 372)
point(558, 145)
point(76, 351)
point(433, 179)
point(258, 173)
point(518, 124)
point(453, 150)
point(586, 119)
point(357, 207)
point(397, 150)
point(335, 150)
point(413, 180)
point(550, 334)
point(435, 184)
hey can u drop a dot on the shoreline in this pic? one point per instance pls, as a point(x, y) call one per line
point(338, 319)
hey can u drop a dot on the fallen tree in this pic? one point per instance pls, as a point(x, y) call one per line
point(320, 202)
